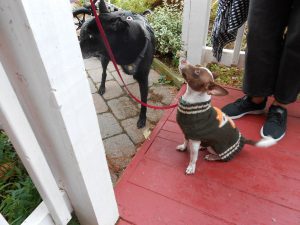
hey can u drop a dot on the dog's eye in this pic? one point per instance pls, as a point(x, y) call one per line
point(129, 18)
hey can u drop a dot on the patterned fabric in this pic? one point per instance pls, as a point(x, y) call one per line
point(187, 108)
point(231, 15)
point(209, 125)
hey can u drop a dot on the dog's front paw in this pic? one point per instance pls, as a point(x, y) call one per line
point(141, 123)
point(190, 169)
point(181, 148)
point(101, 90)
point(212, 157)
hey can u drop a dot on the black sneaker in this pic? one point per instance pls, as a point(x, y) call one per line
point(275, 125)
point(243, 106)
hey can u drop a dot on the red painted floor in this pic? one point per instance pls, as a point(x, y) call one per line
point(259, 186)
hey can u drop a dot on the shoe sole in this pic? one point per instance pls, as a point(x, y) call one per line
point(264, 136)
point(255, 112)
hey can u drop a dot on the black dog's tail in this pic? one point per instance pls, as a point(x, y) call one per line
point(263, 143)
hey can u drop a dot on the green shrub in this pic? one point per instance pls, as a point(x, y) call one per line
point(227, 75)
point(166, 22)
point(178, 3)
point(18, 195)
point(137, 6)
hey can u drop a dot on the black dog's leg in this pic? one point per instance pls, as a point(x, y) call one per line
point(143, 84)
point(104, 63)
point(142, 78)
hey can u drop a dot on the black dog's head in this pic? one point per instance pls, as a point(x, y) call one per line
point(90, 41)
point(123, 34)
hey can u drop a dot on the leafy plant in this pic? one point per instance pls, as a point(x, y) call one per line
point(166, 22)
point(163, 80)
point(137, 6)
point(20, 199)
point(230, 76)
point(74, 220)
point(18, 195)
point(179, 3)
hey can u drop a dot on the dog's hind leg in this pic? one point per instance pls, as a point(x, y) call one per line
point(212, 156)
point(194, 149)
point(183, 146)
point(142, 78)
point(143, 84)
point(104, 63)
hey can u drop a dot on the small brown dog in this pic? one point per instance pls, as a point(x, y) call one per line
point(206, 125)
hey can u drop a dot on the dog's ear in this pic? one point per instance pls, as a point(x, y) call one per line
point(215, 76)
point(102, 7)
point(215, 89)
point(197, 72)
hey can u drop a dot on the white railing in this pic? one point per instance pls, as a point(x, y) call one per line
point(48, 113)
point(22, 136)
point(3, 221)
point(194, 35)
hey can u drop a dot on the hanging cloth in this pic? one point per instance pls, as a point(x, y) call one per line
point(231, 15)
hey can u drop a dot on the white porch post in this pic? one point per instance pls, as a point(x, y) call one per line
point(3, 221)
point(25, 143)
point(194, 29)
point(41, 56)
point(238, 46)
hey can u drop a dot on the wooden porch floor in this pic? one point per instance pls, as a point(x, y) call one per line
point(259, 186)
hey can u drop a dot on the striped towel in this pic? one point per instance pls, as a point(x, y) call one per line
point(231, 15)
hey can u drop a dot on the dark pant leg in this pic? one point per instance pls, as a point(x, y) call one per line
point(288, 82)
point(266, 24)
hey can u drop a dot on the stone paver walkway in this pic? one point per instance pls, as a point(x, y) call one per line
point(118, 113)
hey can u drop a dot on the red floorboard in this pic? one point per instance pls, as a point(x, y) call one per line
point(259, 186)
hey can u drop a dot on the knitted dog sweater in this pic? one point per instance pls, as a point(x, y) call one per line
point(202, 122)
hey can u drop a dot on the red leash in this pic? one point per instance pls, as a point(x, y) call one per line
point(112, 57)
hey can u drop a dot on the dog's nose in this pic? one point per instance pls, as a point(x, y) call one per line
point(182, 64)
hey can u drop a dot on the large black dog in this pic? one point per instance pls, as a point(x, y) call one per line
point(132, 42)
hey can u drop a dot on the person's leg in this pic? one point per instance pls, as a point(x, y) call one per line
point(266, 24)
point(287, 85)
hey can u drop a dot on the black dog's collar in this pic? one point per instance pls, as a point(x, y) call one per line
point(132, 68)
